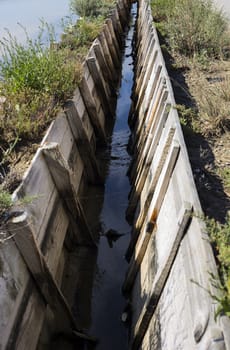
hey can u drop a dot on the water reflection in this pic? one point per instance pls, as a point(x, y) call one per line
point(29, 13)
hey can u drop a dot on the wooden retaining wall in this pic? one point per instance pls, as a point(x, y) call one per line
point(170, 257)
point(37, 236)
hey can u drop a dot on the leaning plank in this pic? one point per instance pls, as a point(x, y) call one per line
point(83, 144)
point(101, 59)
point(34, 259)
point(150, 224)
point(101, 89)
point(92, 110)
point(161, 277)
point(61, 175)
point(108, 56)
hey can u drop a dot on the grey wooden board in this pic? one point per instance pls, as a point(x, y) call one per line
point(185, 297)
point(80, 106)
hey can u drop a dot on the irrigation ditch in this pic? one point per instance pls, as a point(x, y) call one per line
point(64, 281)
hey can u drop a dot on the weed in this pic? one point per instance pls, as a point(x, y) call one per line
point(5, 200)
point(224, 174)
point(91, 8)
point(82, 34)
point(220, 239)
point(193, 26)
point(214, 105)
point(188, 117)
point(34, 78)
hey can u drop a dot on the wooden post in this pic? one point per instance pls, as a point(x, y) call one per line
point(101, 90)
point(161, 277)
point(61, 173)
point(117, 26)
point(107, 74)
point(83, 144)
point(112, 49)
point(156, 204)
point(108, 56)
point(113, 37)
point(21, 229)
point(92, 111)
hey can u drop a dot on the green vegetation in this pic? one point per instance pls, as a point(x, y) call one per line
point(36, 79)
point(220, 238)
point(92, 8)
point(196, 35)
point(193, 27)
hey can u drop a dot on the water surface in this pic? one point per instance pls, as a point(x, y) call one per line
point(29, 13)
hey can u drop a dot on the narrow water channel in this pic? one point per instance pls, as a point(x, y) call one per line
point(108, 303)
point(94, 277)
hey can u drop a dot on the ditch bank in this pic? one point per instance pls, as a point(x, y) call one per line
point(36, 237)
point(62, 255)
point(170, 283)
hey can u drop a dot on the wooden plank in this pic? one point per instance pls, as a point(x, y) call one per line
point(107, 74)
point(34, 259)
point(92, 111)
point(149, 138)
point(83, 144)
point(117, 26)
point(113, 37)
point(114, 54)
point(161, 277)
point(140, 241)
point(108, 56)
point(100, 86)
point(144, 65)
point(84, 117)
point(61, 175)
point(156, 175)
point(122, 14)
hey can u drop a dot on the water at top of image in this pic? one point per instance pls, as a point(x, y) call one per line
point(30, 13)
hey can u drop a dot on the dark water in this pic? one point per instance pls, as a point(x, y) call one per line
point(93, 280)
point(107, 301)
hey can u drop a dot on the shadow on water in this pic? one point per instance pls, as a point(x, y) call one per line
point(95, 282)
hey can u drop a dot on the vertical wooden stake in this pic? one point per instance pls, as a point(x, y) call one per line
point(83, 144)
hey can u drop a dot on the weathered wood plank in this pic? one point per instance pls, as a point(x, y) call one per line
point(141, 240)
point(107, 74)
point(27, 245)
point(61, 175)
point(92, 111)
point(83, 144)
point(114, 54)
point(161, 277)
point(108, 56)
point(101, 88)
point(34, 259)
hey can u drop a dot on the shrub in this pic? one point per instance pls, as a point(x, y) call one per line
point(220, 238)
point(91, 8)
point(193, 26)
point(33, 78)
